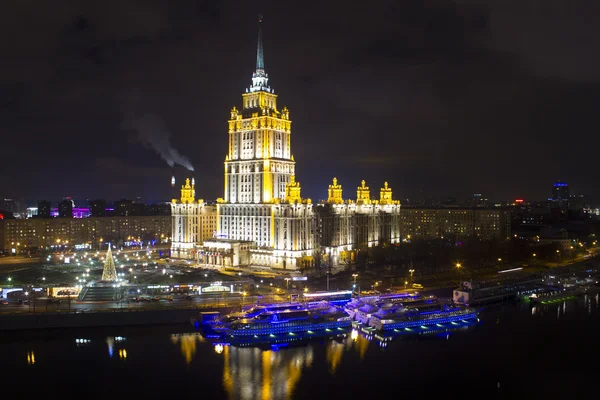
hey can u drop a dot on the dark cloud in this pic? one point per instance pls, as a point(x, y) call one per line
point(439, 97)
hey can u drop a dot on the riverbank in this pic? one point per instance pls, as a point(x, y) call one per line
point(103, 318)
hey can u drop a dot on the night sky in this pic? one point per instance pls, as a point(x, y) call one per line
point(440, 98)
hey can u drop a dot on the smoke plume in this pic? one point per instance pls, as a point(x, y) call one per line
point(153, 133)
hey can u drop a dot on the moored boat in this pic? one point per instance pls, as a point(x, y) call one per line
point(408, 319)
point(290, 322)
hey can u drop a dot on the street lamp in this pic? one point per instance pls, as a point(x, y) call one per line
point(458, 265)
point(355, 276)
point(411, 274)
point(287, 283)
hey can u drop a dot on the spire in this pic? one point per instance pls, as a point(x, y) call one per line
point(260, 61)
point(109, 273)
point(260, 78)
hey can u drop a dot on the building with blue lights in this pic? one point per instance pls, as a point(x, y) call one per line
point(560, 193)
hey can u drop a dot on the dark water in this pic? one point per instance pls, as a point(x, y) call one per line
point(516, 351)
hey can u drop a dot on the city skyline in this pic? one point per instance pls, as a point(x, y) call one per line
point(441, 80)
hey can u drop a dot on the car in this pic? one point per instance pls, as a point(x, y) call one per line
point(3, 302)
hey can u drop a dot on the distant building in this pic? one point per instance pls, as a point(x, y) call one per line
point(579, 203)
point(560, 192)
point(65, 208)
point(479, 200)
point(445, 222)
point(44, 209)
point(10, 206)
point(98, 208)
point(32, 212)
point(124, 208)
point(558, 237)
point(158, 209)
point(81, 212)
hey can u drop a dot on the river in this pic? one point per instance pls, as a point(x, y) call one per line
point(515, 351)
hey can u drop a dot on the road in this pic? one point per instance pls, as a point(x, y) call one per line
point(42, 306)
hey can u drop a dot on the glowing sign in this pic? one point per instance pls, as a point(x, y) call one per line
point(299, 278)
point(217, 289)
point(328, 294)
point(519, 201)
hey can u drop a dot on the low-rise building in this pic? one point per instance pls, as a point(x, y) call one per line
point(43, 233)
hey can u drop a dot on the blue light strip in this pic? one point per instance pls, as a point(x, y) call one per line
point(432, 321)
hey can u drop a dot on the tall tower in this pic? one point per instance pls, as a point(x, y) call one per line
point(259, 163)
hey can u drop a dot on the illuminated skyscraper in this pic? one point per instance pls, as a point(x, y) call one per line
point(262, 219)
point(262, 202)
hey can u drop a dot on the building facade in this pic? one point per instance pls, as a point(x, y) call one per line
point(445, 222)
point(42, 233)
point(262, 219)
point(193, 222)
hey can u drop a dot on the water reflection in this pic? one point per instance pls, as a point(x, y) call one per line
point(187, 342)
point(31, 358)
point(334, 353)
point(252, 373)
point(110, 342)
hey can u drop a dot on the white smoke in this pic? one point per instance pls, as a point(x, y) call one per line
point(153, 133)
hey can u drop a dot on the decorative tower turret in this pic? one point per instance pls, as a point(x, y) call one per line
point(385, 195)
point(334, 193)
point(188, 192)
point(363, 194)
point(292, 191)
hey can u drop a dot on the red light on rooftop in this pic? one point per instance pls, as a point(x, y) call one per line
point(519, 201)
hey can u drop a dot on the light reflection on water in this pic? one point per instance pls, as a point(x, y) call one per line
point(252, 373)
point(187, 343)
point(255, 373)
